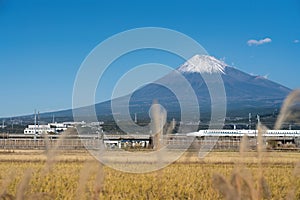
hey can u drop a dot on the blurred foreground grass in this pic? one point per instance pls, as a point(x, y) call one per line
point(76, 175)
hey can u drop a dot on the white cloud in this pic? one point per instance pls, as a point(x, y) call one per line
point(296, 41)
point(259, 42)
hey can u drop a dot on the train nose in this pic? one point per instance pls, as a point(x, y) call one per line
point(193, 134)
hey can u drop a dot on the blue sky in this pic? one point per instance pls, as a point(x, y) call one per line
point(43, 42)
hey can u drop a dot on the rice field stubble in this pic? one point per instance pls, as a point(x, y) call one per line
point(76, 175)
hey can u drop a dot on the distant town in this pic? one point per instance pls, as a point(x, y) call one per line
point(15, 132)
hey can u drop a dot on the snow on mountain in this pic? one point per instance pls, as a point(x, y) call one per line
point(203, 64)
point(243, 91)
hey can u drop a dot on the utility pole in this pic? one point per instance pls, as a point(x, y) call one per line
point(38, 120)
point(173, 124)
point(34, 124)
point(258, 122)
point(135, 118)
point(12, 124)
point(250, 121)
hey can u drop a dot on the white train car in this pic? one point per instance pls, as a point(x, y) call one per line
point(241, 133)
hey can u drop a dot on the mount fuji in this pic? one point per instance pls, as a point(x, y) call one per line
point(244, 92)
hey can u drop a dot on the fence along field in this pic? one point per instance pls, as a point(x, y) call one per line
point(58, 174)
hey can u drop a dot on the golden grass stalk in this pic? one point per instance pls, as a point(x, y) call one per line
point(242, 185)
point(295, 176)
point(6, 196)
point(157, 124)
point(286, 111)
point(23, 185)
point(99, 182)
point(51, 153)
point(243, 149)
point(5, 183)
point(83, 179)
point(157, 130)
point(263, 188)
point(85, 173)
point(224, 187)
point(40, 196)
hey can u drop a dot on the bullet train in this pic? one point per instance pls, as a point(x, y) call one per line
point(240, 133)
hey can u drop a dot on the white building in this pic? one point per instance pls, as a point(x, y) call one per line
point(54, 128)
point(57, 128)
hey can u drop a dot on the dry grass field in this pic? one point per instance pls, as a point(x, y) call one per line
point(77, 175)
point(255, 175)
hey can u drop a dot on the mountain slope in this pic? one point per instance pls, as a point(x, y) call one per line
point(244, 92)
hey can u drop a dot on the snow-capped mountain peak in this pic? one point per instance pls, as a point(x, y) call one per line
point(202, 64)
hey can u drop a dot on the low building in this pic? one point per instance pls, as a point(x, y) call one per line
point(57, 128)
point(51, 128)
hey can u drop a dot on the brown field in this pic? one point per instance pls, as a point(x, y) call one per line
point(57, 174)
point(77, 175)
